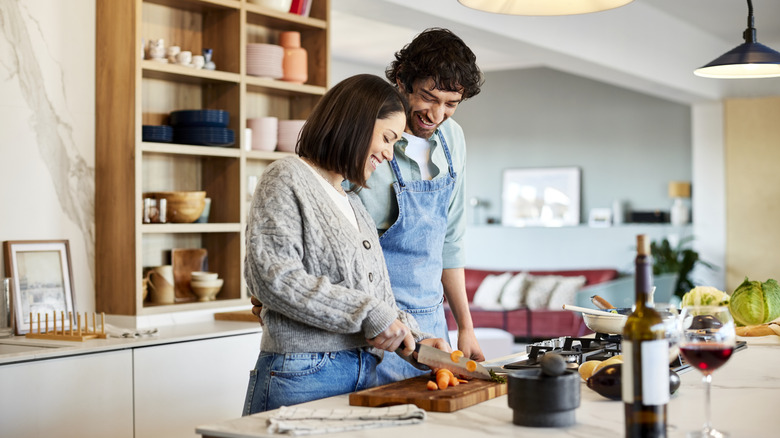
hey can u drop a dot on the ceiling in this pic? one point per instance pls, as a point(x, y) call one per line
point(650, 46)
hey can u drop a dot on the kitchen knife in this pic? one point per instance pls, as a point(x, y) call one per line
point(435, 358)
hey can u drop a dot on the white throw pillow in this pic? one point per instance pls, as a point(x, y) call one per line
point(537, 294)
point(513, 293)
point(489, 290)
point(565, 292)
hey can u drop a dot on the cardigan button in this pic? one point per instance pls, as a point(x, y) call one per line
point(370, 277)
point(367, 244)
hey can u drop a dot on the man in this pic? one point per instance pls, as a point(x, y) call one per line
point(418, 199)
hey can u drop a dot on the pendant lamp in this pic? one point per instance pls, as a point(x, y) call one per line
point(543, 7)
point(746, 61)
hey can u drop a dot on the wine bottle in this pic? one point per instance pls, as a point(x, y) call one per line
point(645, 369)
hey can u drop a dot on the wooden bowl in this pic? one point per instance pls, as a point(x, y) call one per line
point(181, 207)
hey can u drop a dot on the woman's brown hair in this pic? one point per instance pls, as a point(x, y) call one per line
point(337, 135)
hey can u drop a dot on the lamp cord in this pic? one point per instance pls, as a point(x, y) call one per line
point(750, 33)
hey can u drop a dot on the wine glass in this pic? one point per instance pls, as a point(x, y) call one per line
point(707, 340)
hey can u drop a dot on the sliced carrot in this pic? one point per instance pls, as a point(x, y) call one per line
point(456, 355)
point(443, 380)
point(432, 386)
point(463, 381)
point(471, 365)
point(445, 371)
point(454, 381)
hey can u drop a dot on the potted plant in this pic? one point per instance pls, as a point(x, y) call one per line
point(680, 259)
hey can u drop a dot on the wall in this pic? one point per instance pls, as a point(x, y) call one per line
point(752, 143)
point(47, 117)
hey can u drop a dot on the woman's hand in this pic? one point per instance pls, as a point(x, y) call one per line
point(392, 338)
point(439, 343)
point(257, 307)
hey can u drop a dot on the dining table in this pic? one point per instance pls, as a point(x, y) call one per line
point(745, 401)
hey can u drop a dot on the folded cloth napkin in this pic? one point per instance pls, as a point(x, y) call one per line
point(292, 420)
point(121, 332)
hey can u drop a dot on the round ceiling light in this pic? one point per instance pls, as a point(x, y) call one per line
point(543, 7)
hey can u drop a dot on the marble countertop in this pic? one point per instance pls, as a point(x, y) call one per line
point(744, 399)
point(18, 349)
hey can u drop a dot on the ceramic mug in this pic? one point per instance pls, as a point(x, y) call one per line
point(198, 61)
point(161, 284)
point(173, 52)
point(184, 57)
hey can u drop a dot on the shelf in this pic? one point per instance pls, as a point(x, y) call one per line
point(190, 228)
point(267, 155)
point(153, 309)
point(176, 72)
point(261, 16)
point(181, 149)
point(198, 5)
point(257, 84)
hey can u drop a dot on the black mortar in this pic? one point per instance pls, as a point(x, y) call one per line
point(539, 400)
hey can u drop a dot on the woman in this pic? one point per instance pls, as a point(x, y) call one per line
point(313, 255)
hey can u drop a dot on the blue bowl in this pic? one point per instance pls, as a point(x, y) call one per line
point(204, 136)
point(157, 133)
point(212, 118)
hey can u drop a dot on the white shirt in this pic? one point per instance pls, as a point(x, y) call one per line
point(419, 149)
point(341, 200)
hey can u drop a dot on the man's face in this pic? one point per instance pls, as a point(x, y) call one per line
point(429, 107)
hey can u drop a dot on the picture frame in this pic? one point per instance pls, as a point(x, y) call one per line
point(545, 197)
point(42, 281)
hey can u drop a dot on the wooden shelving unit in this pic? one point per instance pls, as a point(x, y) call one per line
point(131, 92)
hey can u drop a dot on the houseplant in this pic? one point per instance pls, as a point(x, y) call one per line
point(680, 259)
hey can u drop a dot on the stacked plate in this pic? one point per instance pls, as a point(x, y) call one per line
point(202, 127)
point(264, 60)
point(288, 132)
point(157, 133)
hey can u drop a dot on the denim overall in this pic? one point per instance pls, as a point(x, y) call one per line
point(413, 248)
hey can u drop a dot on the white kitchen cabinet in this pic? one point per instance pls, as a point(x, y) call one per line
point(180, 386)
point(74, 396)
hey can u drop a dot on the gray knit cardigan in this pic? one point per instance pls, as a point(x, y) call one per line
point(324, 285)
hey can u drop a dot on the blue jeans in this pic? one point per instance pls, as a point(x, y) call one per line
point(284, 379)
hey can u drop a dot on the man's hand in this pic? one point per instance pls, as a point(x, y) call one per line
point(257, 307)
point(392, 338)
point(439, 343)
point(467, 343)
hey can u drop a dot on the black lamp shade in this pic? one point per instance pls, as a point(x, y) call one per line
point(748, 60)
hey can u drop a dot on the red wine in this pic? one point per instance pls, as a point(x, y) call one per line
point(645, 369)
point(707, 357)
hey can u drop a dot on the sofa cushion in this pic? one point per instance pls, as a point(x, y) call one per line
point(537, 294)
point(513, 294)
point(489, 291)
point(565, 292)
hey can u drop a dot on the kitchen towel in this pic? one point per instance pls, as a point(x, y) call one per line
point(292, 420)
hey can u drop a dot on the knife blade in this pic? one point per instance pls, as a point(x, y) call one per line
point(435, 358)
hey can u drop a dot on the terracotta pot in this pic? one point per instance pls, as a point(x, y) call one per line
point(295, 61)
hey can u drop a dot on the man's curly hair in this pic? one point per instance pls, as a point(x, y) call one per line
point(441, 55)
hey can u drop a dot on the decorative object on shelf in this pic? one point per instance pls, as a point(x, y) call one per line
point(301, 7)
point(288, 133)
point(204, 216)
point(679, 259)
point(548, 197)
point(478, 207)
point(184, 58)
point(42, 279)
point(157, 133)
point(748, 60)
point(264, 60)
point(209, 65)
point(679, 190)
point(157, 50)
point(185, 261)
point(600, 217)
point(618, 212)
point(649, 217)
point(294, 62)
point(181, 207)
point(203, 117)
point(543, 7)
point(155, 211)
point(206, 289)
point(161, 285)
point(278, 5)
point(198, 61)
point(264, 133)
point(173, 52)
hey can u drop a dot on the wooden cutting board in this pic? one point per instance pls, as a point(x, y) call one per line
point(414, 391)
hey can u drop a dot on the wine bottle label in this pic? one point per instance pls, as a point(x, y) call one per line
point(647, 382)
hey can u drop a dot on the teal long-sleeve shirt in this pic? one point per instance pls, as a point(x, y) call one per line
point(380, 201)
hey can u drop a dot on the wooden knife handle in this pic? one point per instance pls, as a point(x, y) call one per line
point(601, 303)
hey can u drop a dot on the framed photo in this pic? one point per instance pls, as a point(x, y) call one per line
point(42, 280)
point(546, 197)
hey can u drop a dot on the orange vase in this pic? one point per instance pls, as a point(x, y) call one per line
point(294, 63)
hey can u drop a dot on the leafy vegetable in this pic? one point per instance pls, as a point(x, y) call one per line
point(755, 303)
point(496, 378)
point(705, 296)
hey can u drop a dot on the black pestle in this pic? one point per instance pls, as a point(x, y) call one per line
point(553, 365)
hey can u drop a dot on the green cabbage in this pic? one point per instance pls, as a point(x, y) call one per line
point(754, 302)
point(705, 296)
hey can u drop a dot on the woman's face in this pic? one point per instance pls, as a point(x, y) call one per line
point(386, 133)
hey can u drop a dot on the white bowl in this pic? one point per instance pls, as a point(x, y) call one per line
point(202, 275)
point(206, 290)
point(279, 5)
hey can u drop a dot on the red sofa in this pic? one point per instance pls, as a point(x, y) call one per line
point(524, 323)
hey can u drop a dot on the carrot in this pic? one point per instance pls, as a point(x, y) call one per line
point(456, 355)
point(443, 380)
point(432, 386)
point(463, 381)
point(454, 381)
point(471, 365)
